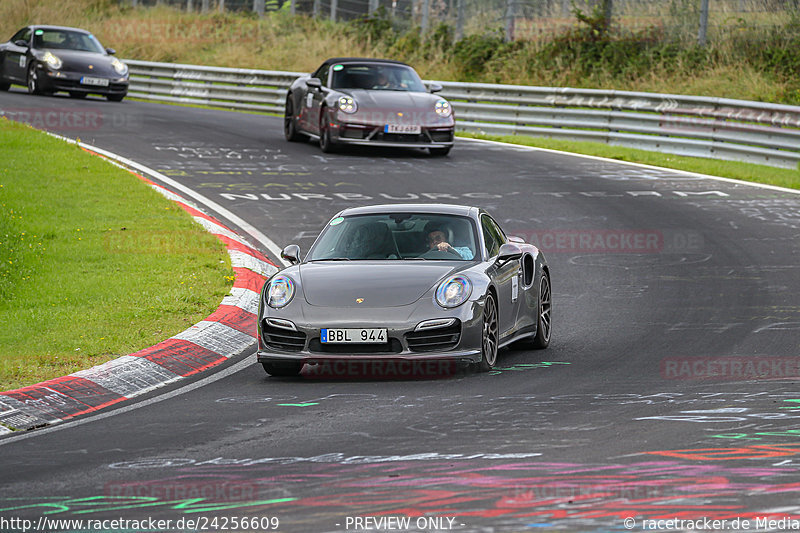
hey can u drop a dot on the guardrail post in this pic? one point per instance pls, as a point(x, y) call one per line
point(334, 8)
point(701, 33)
point(373, 6)
point(258, 7)
point(426, 8)
point(460, 20)
point(510, 20)
point(293, 7)
point(204, 7)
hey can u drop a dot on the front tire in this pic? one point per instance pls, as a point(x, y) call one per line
point(289, 123)
point(543, 324)
point(325, 143)
point(33, 80)
point(282, 370)
point(489, 335)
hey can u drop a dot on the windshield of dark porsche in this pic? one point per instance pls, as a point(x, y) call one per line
point(67, 40)
point(396, 236)
point(376, 77)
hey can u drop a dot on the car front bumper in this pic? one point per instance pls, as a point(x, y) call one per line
point(58, 80)
point(373, 135)
point(460, 341)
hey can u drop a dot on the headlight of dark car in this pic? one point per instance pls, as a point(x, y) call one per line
point(280, 291)
point(347, 104)
point(453, 291)
point(442, 108)
point(120, 67)
point(51, 60)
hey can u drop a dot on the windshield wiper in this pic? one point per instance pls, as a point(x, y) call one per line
point(331, 259)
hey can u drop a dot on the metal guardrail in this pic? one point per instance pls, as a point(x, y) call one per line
point(719, 128)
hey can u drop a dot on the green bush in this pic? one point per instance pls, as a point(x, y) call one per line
point(473, 52)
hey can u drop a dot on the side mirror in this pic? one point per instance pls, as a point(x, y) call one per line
point(435, 87)
point(508, 251)
point(110, 51)
point(21, 43)
point(291, 253)
point(315, 83)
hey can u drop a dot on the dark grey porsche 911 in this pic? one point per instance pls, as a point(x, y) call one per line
point(405, 282)
point(47, 59)
point(369, 102)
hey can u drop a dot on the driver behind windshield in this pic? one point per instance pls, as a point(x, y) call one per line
point(438, 241)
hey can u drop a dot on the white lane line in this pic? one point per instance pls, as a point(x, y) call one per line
point(639, 165)
point(234, 368)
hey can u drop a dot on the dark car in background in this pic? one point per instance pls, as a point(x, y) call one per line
point(48, 59)
point(369, 102)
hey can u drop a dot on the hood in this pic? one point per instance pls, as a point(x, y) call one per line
point(392, 100)
point(380, 284)
point(79, 60)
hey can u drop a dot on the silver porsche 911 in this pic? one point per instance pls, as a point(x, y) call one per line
point(375, 102)
point(405, 282)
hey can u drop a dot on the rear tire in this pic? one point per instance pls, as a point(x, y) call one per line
point(282, 370)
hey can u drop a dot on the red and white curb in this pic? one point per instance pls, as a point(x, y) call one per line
point(229, 331)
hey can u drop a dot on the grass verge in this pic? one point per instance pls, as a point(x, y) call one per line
point(95, 264)
point(782, 177)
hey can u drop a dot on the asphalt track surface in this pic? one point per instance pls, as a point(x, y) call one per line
point(669, 390)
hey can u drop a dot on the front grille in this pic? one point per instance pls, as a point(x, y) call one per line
point(400, 137)
point(354, 133)
point(393, 346)
point(435, 339)
point(283, 339)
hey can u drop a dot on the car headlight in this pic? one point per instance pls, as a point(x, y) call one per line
point(119, 66)
point(347, 104)
point(442, 108)
point(52, 60)
point(453, 291)
point(280, 291)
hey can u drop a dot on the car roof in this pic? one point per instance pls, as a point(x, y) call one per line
point(333, 60)
point(439, 209)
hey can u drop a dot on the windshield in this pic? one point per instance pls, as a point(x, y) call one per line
point(378, 77)
point(67, 40)
point(396, 236)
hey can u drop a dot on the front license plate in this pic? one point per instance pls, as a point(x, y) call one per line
point(98, 82)
point(402, 128)
point(353, 336)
